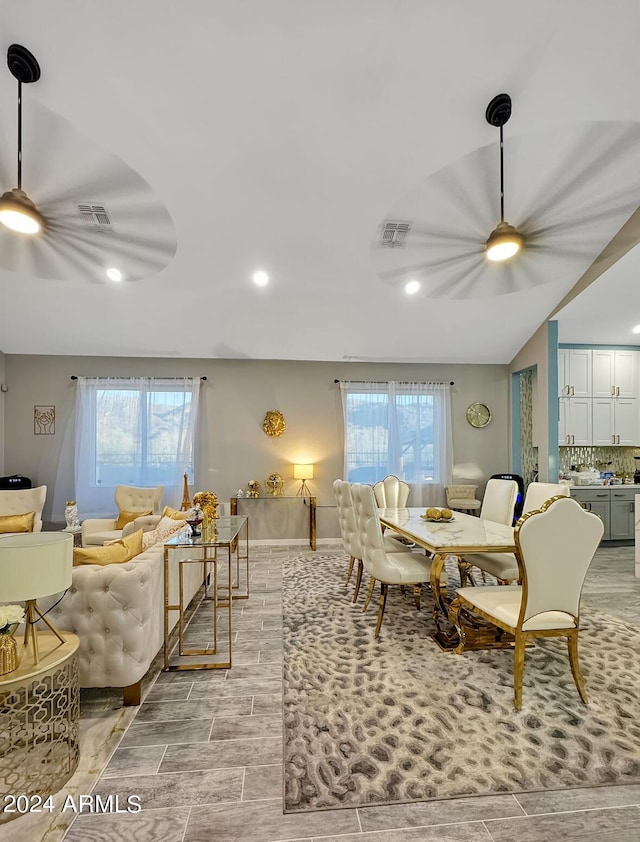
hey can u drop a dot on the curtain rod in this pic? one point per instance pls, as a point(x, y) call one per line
point(401, 382)
point(75, 377)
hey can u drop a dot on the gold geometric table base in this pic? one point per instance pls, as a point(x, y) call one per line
point(39, 715)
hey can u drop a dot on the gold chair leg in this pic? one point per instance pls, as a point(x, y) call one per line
point(350, 571)
point(518, 670)
point(417, 591)
point(358, 580)
point(382, 602)
point(370, 587)
point(572, 642)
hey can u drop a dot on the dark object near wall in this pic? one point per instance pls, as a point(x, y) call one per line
point(14, 482)
point(520, 498)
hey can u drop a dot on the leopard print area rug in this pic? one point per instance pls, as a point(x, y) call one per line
point(399, 720)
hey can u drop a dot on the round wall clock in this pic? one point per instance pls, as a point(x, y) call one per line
point(478, 415)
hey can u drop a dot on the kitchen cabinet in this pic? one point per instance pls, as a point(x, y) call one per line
point(575, 372)
point(622, 518)
point(597, 500)
point(614, 373)
point(575, 421)
point(614, 505)
point(615, 421)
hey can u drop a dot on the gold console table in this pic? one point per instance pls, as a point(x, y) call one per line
point(307, 501)
point(40, 712)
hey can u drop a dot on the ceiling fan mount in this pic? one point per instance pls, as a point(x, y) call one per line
point(499, 110)
point(23, 64)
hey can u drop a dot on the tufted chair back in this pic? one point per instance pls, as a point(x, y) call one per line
point(370, 532)
point(539, 492)
point(499, 501)
point(19, 501)
point(346, 518)
point(556, 546)
point(132, 499)
point(391, 493)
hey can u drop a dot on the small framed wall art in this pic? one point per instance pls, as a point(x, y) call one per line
point(44, 420)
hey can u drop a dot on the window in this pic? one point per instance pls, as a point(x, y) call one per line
point(398, 428)
point(133, 431)
point(139, 434)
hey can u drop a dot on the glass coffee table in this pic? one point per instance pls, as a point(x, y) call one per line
point(222, 575)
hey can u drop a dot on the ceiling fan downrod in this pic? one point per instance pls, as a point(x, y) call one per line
point(17, 211)
point(504, 241)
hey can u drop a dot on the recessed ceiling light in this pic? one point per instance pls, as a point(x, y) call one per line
point(260, 278)
point(636, 329)
point(114, 274)
point(411, 287)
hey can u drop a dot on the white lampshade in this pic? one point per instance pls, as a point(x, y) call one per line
point(303, 471)
point(34, 564)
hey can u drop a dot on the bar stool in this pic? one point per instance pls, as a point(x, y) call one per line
point(463, 498)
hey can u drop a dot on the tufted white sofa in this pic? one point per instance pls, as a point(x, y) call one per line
point(117, 611)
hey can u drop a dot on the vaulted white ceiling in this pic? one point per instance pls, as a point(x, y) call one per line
point(280, 134)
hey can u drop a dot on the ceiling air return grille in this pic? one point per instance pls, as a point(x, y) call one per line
point(95, 216)
point(394, 234)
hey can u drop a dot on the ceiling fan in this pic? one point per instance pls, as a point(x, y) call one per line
point(103, 223)
point(573, 188)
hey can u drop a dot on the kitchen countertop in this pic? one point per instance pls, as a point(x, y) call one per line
point(630, 485)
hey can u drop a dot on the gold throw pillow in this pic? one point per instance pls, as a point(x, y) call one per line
point(126, 517)
point(17, 523)
point(173, 513)
point(115, 553)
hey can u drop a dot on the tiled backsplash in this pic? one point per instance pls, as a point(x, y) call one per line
point(621, 458)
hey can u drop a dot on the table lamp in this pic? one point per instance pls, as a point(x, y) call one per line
point(303, 472)
point(32, 565)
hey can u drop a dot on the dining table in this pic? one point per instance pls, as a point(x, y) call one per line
point(461, 536)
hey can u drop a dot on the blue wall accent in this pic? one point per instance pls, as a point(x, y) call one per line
point(600, 347)
point(516, 453)
point(552, 340)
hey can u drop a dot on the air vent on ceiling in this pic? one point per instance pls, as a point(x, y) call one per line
point(95, 216)
point(394, 234)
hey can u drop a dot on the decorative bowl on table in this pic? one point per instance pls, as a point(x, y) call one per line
point(436, 514)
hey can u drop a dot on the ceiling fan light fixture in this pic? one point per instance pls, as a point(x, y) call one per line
point(503, 242)
point(19, 213)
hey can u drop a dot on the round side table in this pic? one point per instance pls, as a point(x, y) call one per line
point(40, 712)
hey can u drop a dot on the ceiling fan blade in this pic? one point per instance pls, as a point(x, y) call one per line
point(422, 269)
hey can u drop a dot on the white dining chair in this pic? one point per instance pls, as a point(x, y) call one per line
point(391, 493)
point(382, 565)
point(499, 501)
point(350, 536)
point(504, 566)
point(555, 546)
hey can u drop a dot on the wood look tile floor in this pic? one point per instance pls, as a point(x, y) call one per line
point(205, 752)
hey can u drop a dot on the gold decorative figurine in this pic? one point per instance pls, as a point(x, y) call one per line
point(274, 424)
point(275, 485)
point(253, 488)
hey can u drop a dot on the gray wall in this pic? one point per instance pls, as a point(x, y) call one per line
point(2, 403)
point(231, 447)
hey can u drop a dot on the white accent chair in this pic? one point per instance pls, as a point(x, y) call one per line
point(462, 498)
point(21, 501)
point(388, 568)
point(391, 493)
point(129, 498)
point(349, 532)
point(555, 545)
point(504, 566)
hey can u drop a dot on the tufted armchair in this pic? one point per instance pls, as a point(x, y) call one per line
point(19, 501)
point(129, 498)
point(462, 497)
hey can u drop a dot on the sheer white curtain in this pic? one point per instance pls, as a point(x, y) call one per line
point(132, 431)
point(401, 428)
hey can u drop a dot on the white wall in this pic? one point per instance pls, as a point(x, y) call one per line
point(2, 402)
point(231, 447)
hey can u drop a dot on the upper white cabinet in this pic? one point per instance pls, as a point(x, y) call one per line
point(575, 420)
point(575, 373)
point(615, 373)
point(615, 422)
